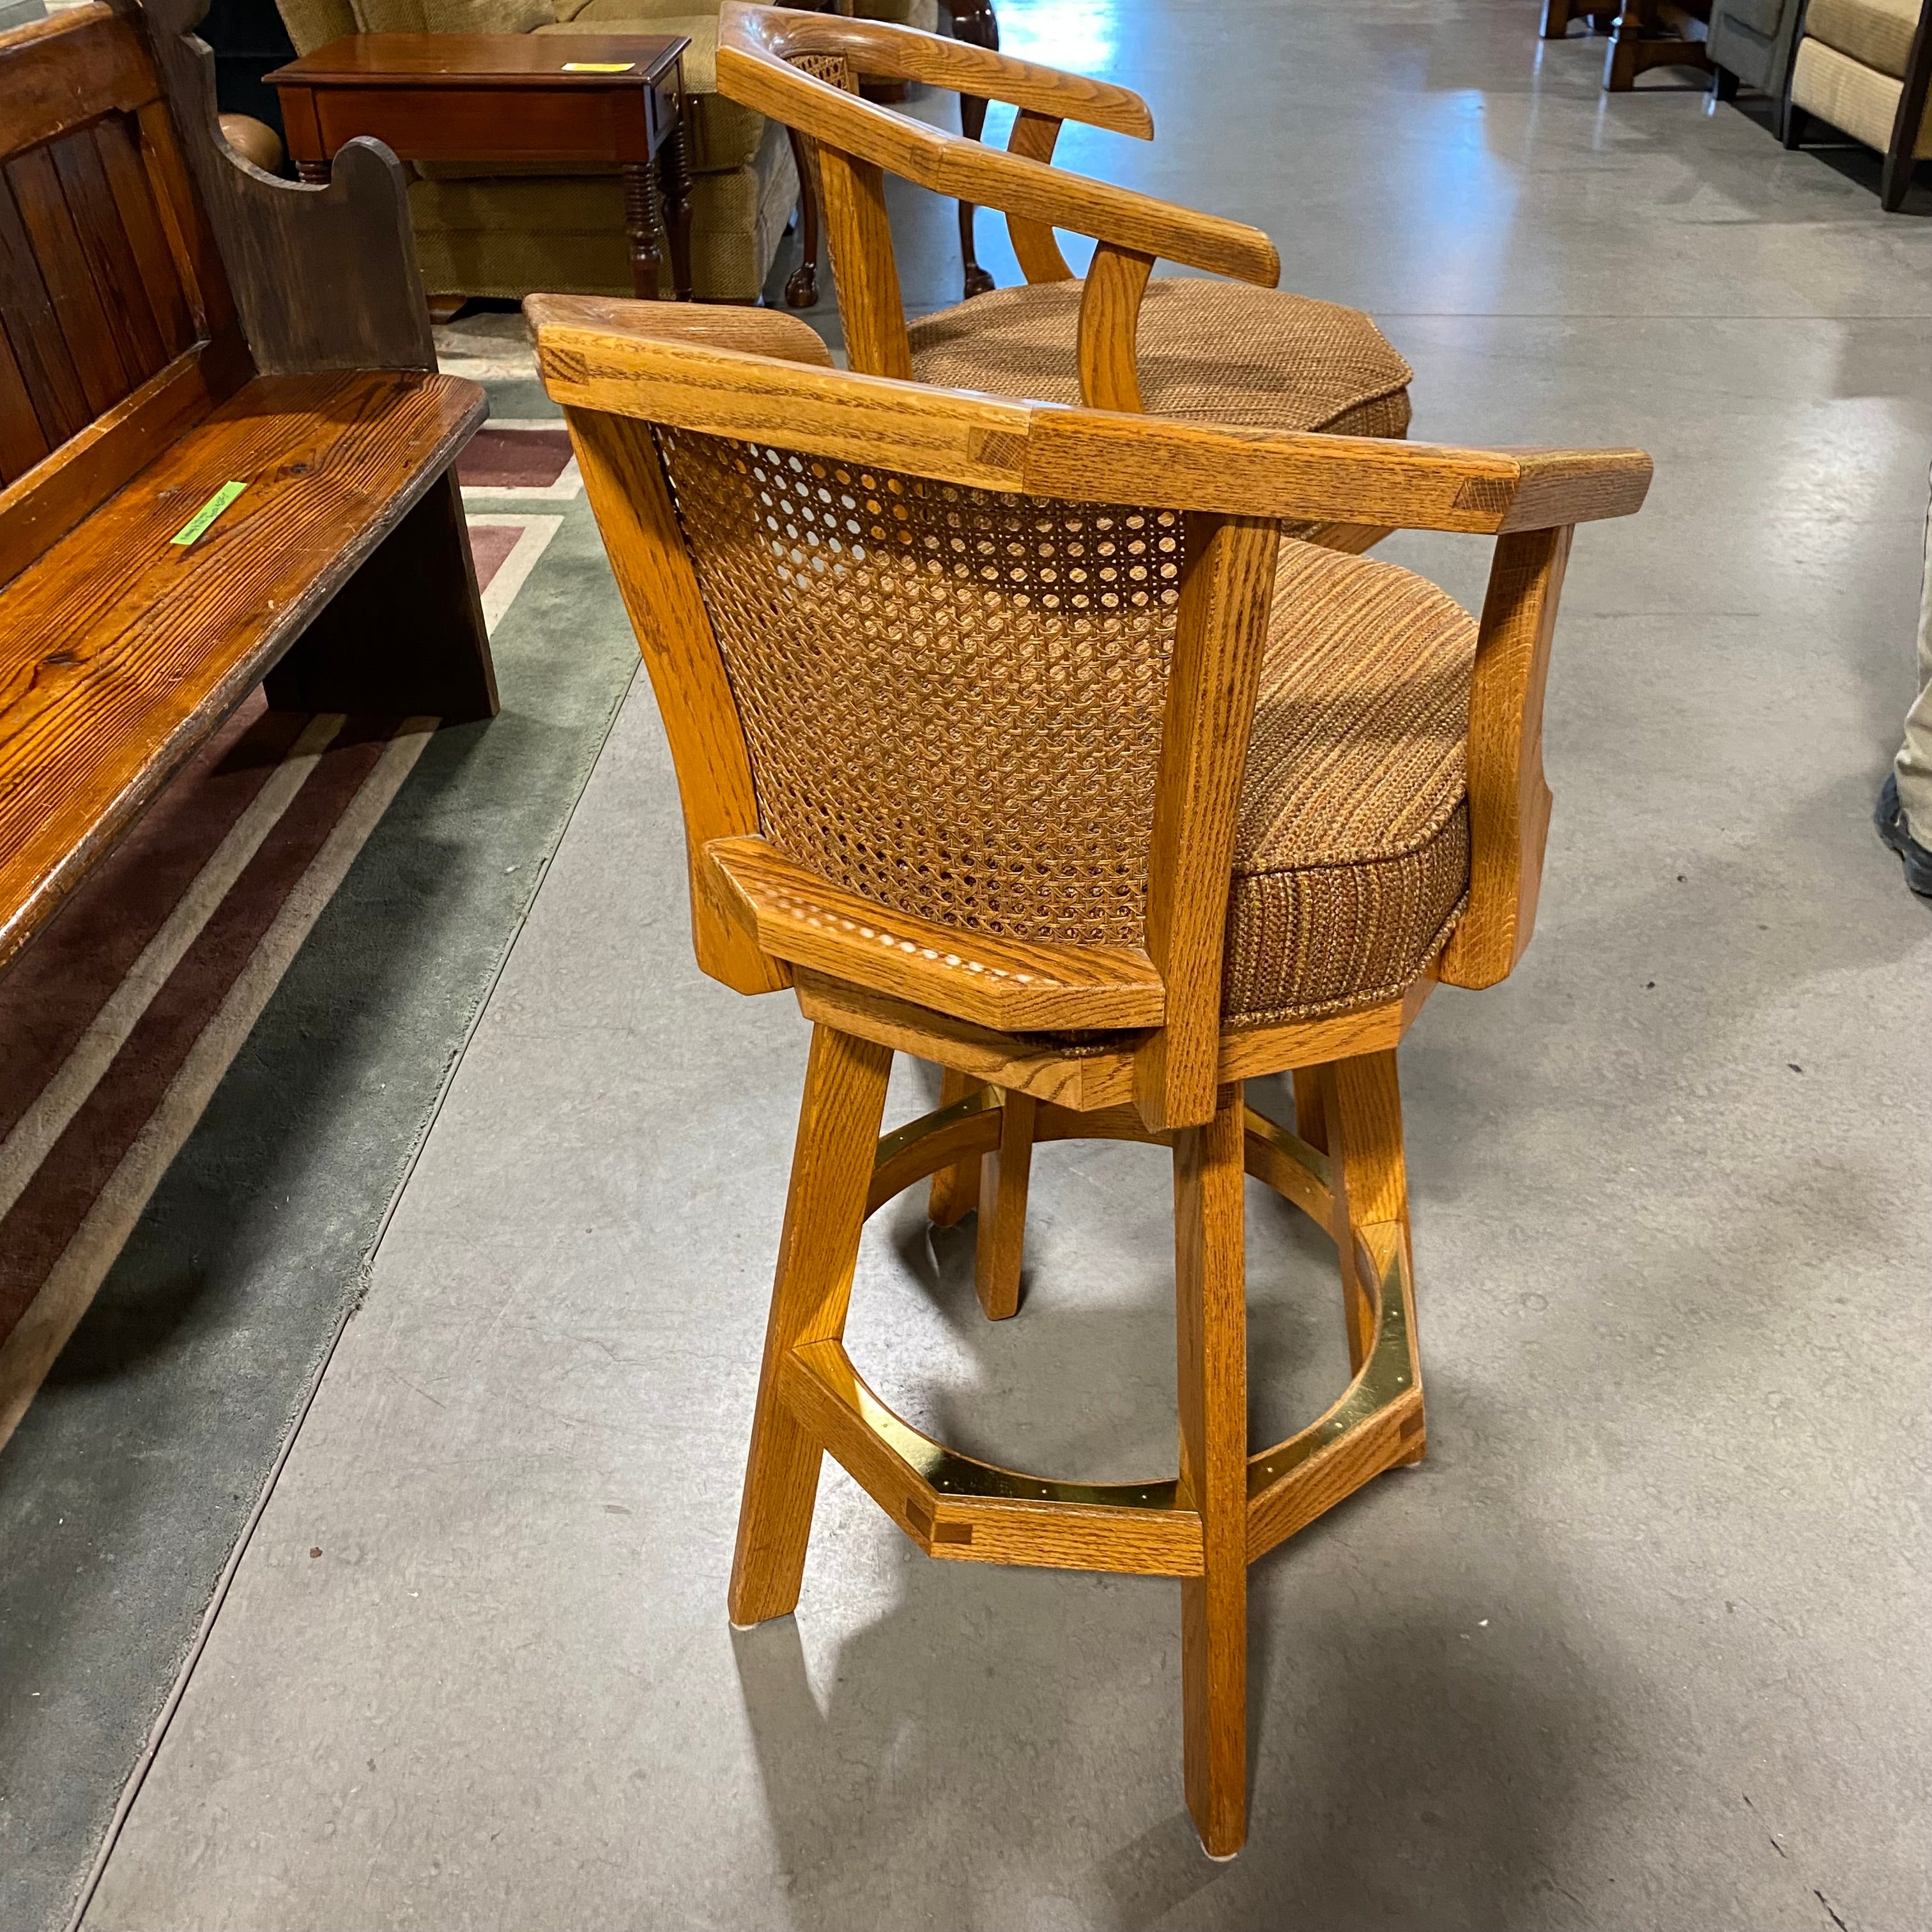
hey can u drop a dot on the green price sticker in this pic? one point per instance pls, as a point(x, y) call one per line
point(196, 526)
point(599, 67)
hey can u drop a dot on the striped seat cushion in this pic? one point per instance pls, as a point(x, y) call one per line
point(1351, 860)
point(1209, 352)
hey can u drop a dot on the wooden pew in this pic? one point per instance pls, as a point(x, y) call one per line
point(174, 321)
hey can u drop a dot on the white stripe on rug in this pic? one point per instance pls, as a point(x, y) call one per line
point(508, 578)
point(29, 1350)
point(35, 1131)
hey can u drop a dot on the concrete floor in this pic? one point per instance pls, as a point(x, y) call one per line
point(1643, 1643)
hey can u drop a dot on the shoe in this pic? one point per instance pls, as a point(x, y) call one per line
point(1890, 823)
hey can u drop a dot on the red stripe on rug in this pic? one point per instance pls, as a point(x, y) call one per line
point(55, 1201)
point(514, 459)
point(62, 981)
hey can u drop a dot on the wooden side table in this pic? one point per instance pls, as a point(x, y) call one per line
point(600, 99)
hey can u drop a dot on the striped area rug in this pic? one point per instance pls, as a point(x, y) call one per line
point(119, 1021)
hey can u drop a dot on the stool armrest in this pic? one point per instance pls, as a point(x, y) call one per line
point(952, 166)
point(877, 49)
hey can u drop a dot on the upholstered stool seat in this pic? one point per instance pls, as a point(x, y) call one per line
point(1208, 352)
point(1352, 850)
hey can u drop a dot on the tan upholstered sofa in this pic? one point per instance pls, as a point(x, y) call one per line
point(494, 230)
point(1864, 67)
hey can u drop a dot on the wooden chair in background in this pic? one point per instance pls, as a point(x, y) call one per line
point(1238, 351)
point(1019, 738)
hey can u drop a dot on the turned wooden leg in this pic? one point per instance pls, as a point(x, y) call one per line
point(977, 25)
point(1004, 1175)
point(676, 160)
point(802, 290)
point(825, 1209)
point(956, 1190)
point(315, 173)
point(1210, 1310)
point(640, 226)
point(405, 636)
point(1370, 1176)
point(1555, 24)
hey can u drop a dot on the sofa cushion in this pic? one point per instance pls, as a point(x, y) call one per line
point(451, 16)
point(1876, 34)
point(1209, 351)
point(507, 235)
point(1851, 97)
point(1351, 858)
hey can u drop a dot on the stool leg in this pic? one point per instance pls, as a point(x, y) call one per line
point(1003, 1176)
point(1210, 1312)
point(825, 1210)
point(1316, 1121)
point(1370, 1174)
point(955, 1189)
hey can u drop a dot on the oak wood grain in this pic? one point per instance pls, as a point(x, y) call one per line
point(878, 49)
point(1210, 1307)
point(818, 1248)
point(45, 502)
point(956, 1189)
point(119, 651)
point(1219, 637)
point(1509, 800)
point(624, 480)
point(104, 242)
point(1004, 1173)
point(1110, 313)
point(799, 916)
point(45, 364)
point(62, 72)
point(1034, 136)
point(104, 379)
point(118, 142)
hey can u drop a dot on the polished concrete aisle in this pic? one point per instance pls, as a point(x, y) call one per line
point(1643, 1644)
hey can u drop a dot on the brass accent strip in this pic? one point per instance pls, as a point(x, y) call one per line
point(950, 1473)
point(1298, 1150)
point(963, 1131)
point(892, 1145)
point(1386, 1378)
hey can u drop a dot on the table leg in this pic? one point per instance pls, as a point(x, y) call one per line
point(801, 290)
point(315, 173)
point(974, 22)
point(640, 225)
point(676, 160)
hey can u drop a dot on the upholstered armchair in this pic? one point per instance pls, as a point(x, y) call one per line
point(490, 229)
point(1749, 45)
point(1864, 67)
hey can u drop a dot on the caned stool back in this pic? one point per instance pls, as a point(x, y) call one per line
point(951, 697)
point(961, 692)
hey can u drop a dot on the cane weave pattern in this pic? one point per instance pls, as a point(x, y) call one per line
point(952, 697)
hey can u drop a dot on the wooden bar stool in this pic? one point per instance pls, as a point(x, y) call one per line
point(1020, 739)
point(1225, 346)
